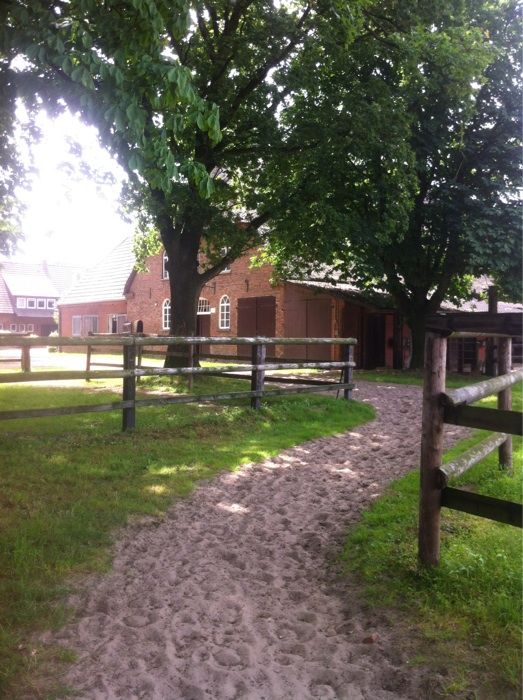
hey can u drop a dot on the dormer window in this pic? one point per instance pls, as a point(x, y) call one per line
point(31, 303)
point(165, 271)
point(40, 303)
point(20, 302)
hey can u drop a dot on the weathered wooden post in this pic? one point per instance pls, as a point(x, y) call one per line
point(258, 375)
point(88, 361)
point(431, 449)
point(26, 358)
point(190, 378)
point(348, 355)
point(491, 361)
point(505, 398)
point(129, 388)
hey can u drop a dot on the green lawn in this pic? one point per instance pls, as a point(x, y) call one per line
point(464, 618)
point(68, 482)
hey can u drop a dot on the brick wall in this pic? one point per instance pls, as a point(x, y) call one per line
point(101, 309)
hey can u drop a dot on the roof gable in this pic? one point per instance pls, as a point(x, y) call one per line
point(105, 281)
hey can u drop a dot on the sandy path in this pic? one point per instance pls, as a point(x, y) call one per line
point(231, 594)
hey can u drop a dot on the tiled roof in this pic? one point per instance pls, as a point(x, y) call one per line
point(480, 287)
point(63, 277)
point(35, 284)
point(106, 280)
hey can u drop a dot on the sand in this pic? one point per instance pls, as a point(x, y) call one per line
point(235, 593)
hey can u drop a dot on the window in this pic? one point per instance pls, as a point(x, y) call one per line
point(76, 325)
point(225, 313)
point(40, 303)
point(20, 303)
point(165, 271)
point(203, 306)
point(51, 304)
point(223, 253)
point(30, 327)
point(21, 328)
point(90, 324)
point(115, 323)
point(166, 315)
point(13, 327)
point(31, 303)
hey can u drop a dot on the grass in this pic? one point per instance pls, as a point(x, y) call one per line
point(464, 618)
point(67, 483)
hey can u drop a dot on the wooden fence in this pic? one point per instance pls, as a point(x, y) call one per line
point(133, 345)
point(442, 406)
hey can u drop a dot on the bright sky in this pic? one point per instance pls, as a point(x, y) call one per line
point(69, 217)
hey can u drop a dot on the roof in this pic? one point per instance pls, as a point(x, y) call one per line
point(24, 279)
point(106, 280)
point(347, 290)
point(480, 287)
point(36, 284)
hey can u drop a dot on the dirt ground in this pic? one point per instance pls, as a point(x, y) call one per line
point(233, 594)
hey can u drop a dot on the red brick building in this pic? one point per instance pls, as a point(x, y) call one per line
point(239, 301)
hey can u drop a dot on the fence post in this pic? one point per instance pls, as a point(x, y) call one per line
point(190, 378)
point(505, 398)
point(88, 361)
point(26, 358)
point(129, 388)
point(257, 376)
point(431, 449)
point(348, 354)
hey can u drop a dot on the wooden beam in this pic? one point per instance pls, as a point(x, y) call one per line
point(163, 400)
point(481, 323)
point(483, 506)
point(469, 458)
point(123, 340)
point(475, 392)
point(485, 418)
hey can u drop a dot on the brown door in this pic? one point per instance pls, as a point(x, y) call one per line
point(374, 351)
point(318, 326)
point(203, 328)
point(256, 316)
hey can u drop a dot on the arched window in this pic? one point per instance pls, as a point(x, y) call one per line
point(166, 315)
point(203, 306)
point(224, 322)
point(165, 271)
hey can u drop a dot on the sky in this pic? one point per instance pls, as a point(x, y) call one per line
point(69, 217)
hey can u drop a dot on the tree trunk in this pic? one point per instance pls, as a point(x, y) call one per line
point(417, 329)
point(185, 285)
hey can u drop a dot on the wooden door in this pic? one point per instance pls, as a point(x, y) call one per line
point(256, 316)
point(203, 328)
point(374, 351)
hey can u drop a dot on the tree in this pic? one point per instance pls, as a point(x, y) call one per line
point(413, 187)
point(186, 95)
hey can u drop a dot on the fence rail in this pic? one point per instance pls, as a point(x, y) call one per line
point(131, 372)
point(442, 406)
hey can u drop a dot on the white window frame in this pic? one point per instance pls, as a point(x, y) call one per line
point(40, 304)
point(166, 315)
point(13, 327)
point(76, 325)
point(51, 304)
point(30, 327)
point(31, 303)
point(165, 271)
point(224, 319)
point(89, 324)
point(21, 327)
point(204, 308)
point(21, 302)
